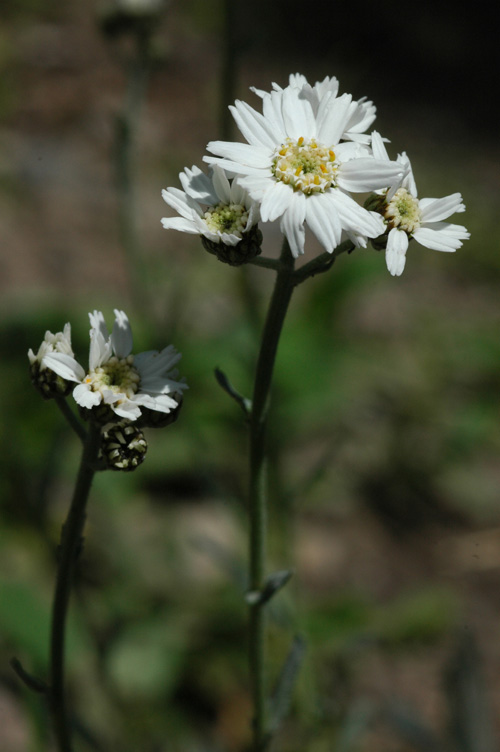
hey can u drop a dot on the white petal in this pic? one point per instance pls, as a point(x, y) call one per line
point(436, 209)
point(275, 201)
point(181, 224)
point(438, 237)
point(198, 185)
point(221, 185)
point(186, 206)
point(323, 219)
point(395, 254)
point(297, 115)
point(121, 337)
point(332, 117)
point(97, 322)
point(127, 409)
point(257, 129)
point(154, 363)
point(242, 154)
point(64, 365)
point(84, 396)
point(100, 349)
point(355, 217)
point(292, 224)
point(378, 147)
point(361, 175)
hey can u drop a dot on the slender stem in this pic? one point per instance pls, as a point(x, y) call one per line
point(126, 136)
point(278, 306)
point(68, 554)
point(70, 416)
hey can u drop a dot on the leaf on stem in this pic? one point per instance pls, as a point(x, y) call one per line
point(243, 402)
point(274, 582)
point(282, 695)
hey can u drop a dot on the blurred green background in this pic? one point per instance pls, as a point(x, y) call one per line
point(385, 440)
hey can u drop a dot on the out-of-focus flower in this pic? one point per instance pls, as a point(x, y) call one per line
point(118, 383)
point(406, 216)
point(301, 164)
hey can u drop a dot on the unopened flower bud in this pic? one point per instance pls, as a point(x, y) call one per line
point(123, 446)
point(247, 249)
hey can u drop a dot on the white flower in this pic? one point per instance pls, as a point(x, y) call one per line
point(211, 206)
point(118, 379)
point(406, 216)
point(299, 166)
point(52, 343)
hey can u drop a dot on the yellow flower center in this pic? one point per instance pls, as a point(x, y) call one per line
point(227, 218)
point(117, 375)
point(403, 211)
point(305, 165)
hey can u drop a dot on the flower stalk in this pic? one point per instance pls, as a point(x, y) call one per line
point(278, 307)
point(69, 549)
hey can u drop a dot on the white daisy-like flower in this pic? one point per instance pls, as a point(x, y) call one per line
point(406, 216)
point(301, 169)
point(48, 383)
point(124, 382)
point(52, 343)
point(211, 206)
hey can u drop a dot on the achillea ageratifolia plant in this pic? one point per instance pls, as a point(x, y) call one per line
point(308, 153)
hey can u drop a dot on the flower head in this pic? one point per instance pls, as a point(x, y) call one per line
point(301, 162)
point(406, 216)
point(220, 211)
point(118, 383)
point(46, 381)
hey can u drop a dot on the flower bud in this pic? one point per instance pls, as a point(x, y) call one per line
point(123, 446)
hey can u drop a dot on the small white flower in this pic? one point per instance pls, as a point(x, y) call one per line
point(406, 216)
point(118, 379)
point(211, 206)
point(60, 343)
point(300, 163)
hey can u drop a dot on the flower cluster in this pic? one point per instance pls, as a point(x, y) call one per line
point(117, 384)
point(307, 152)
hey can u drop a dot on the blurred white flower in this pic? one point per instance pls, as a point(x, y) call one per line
point(60, 343)
point(117, 379)
point(406, 216)
point(300, 163)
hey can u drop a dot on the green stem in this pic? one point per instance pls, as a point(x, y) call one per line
point(278, 307)
point(70, 416)
point(126, 136)
point(68, 554)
